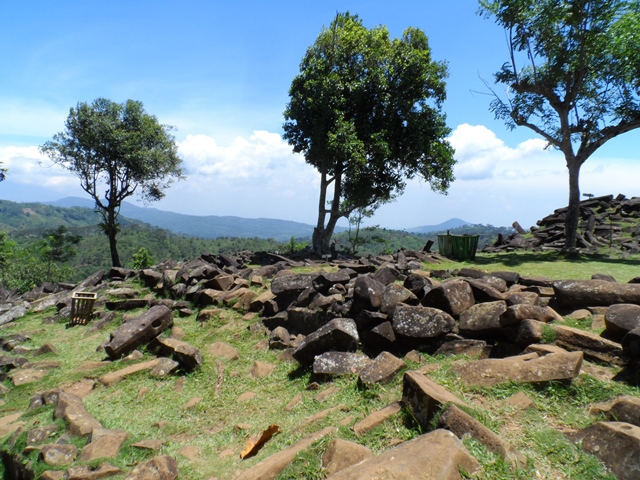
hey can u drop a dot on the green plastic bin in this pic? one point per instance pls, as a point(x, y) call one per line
point(458, 247)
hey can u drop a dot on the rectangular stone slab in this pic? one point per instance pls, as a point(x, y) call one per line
point(139, 331)
point(521, 369)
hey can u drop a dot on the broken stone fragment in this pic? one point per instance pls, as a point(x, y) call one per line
point(339, 334)
point(341, 454)
point(616, 444)
point(438, 455)
point(453, 297)
point(383, 368)
point(139, 331)
point(425, 397)
point(339, 363)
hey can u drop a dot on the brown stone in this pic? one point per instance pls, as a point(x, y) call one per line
point(591, 293)
point(58, 454)
point(616, 444)
point(376, 418)
point(381, 370)
point(224, 350)
point(438, 455)
point(158, 468)
point(622, 409)
point(462, 424)
point(594, 346)
point(86, 473)
point(261, 369)
point(71, 409)
point(270, 467)
point(118, 375)
point(529, 368)
point(341, 454)
point(103, 443)
point(425, 397)
point(184, 353)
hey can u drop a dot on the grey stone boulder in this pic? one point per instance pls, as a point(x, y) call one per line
point(453, 297)
point(325, 280)
point(367, 294)
point(483, 292)
point(592, 293)
point(421, 322)
point(139, 331)
point(340, 363)
point(340, 334)
point(620, 319)
point(484, 319)
point(395, 294)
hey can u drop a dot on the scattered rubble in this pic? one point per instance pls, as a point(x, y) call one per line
point(365, 318)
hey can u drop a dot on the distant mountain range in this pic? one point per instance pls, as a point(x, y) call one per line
point(441, 227)
point(213, 226)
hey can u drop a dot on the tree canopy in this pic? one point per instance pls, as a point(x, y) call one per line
point(365, 110)
point(116, 150)
point(573, 76)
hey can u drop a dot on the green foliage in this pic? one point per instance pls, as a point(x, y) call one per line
point(142, 259)
point(58, 247)
point(572, 76)
point(119, 148)
point(365, 111)
point(549, 335)
point(293, 246)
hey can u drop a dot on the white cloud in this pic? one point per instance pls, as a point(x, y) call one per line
point(481, 154)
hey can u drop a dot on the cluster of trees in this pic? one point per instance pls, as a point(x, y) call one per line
point(366, 111)
point(22, 267)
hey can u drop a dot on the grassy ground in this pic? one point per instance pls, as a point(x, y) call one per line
point(205, 418)
point(553, 265)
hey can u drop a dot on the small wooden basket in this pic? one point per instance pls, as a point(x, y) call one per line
point(81, 307)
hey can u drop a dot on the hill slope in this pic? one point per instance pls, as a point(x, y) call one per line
point(209, 226)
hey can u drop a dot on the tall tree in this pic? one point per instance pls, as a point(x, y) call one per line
point(58, 247)
point(365, 110)
point(119, 148)
point(573, 77)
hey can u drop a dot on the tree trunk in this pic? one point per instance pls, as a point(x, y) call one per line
point(317, 240)
point(111, 229)
point(573, 212)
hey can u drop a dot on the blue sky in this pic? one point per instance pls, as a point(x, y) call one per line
point(220, 72)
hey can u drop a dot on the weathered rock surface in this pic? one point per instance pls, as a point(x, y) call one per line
point(529, 368)
point(341, 454)
point(139, 331)
point(461, 424)
point(421, 322)
point(617, 444)
point(592, 293)
point(425, 397)
point(270, 467)
point(339, 334)
point(438, 455)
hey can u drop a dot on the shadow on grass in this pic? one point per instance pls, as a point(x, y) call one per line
point(515, 259)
